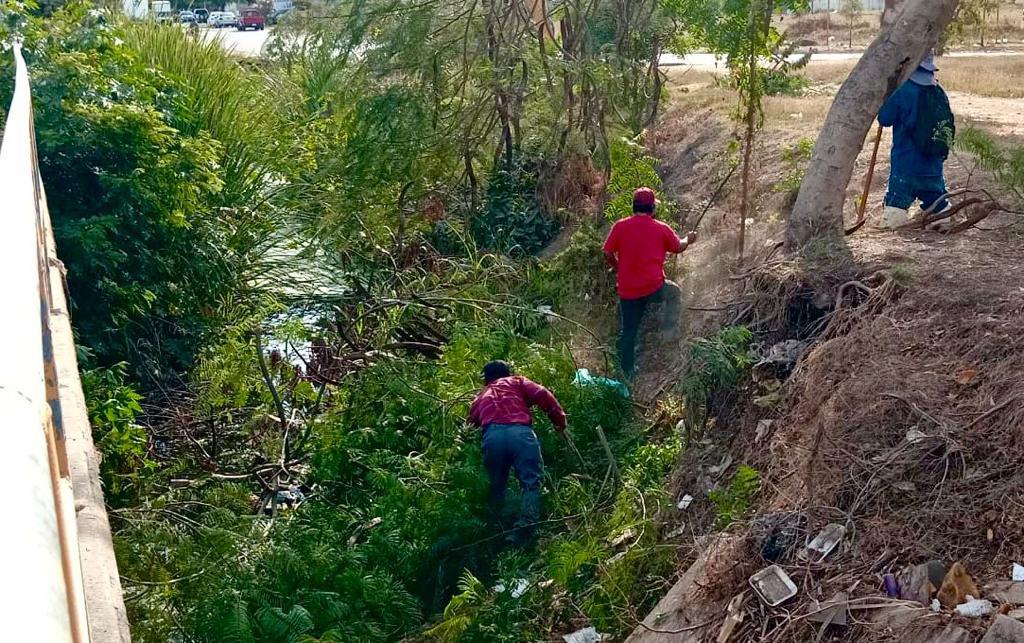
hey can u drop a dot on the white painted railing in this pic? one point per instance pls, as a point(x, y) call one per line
point(60, 577)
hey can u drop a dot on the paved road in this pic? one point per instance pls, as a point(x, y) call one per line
point(245, 43)
point(250, 43)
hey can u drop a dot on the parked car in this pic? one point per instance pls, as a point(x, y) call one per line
point(202, 15)
point(251, 19)
point(186, 17)
point(162, 11)
point(219, 19)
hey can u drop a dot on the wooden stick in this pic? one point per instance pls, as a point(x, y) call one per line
point(608, 451)
point(863, 208)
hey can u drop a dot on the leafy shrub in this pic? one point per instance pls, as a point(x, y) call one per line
point(513, 221)
point(733, 502)
point(777, 82)
point(132, 194)
point(796, 157)
point(113, 407)
point(632, 167)
point(1004, 162)
point(716, 364)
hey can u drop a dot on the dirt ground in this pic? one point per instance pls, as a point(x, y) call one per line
point(836, 31)
point(902, 421)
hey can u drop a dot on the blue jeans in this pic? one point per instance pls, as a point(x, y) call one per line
point(514, 446)
point(904, 190)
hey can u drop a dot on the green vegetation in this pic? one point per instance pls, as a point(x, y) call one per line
point(718, 364)
point(796, 157)
point(1004, 162)
point(733, 502)
point(285, 277)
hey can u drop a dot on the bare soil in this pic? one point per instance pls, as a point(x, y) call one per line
point(904, 421)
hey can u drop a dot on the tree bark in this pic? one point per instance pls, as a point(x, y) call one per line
point(892, 9)
point(895, 53)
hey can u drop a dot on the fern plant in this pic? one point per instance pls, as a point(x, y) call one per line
point(716, 364)
point(733, 502)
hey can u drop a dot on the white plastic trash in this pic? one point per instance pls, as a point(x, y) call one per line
point(1018, 572)
point(975, 607)
point(586, 635)
point(521, 586)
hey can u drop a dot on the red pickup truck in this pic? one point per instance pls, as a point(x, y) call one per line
point(251, 19)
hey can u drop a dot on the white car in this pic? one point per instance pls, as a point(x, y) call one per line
point(219, 19)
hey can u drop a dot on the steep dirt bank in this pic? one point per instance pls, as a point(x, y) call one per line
point(902, 421)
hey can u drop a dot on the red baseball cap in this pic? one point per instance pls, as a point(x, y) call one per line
point(644, 197)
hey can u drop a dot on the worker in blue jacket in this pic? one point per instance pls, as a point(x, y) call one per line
point(923, 127)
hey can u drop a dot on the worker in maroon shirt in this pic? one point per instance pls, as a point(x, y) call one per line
point(636, 248)
point(502, 411)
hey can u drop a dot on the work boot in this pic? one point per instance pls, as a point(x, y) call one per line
point(893, 217)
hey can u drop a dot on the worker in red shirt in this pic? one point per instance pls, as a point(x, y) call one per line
point(636, 248)
point(502, 411)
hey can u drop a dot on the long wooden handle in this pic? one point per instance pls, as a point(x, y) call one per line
point(863, 207)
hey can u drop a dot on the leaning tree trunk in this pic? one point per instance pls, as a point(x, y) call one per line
point(895, 53)
point(892, 9)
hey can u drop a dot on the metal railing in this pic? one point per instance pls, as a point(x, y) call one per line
point(60, 575)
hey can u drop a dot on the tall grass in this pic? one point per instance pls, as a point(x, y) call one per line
point(216, 97)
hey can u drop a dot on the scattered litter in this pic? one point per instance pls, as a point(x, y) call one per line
point(834, 611)
point(546, 310)
point(1018, 572)
point(544, 584)
point(975, 607)
point(617, 557)
point(677, 532)
point(956, 586)
point(734, 617)
point(520, 588)
point(892, 589)
point(720, 468)
point(914, 435)
point(685, 502)
point(778, 534)
point(621, 539)
point(782, 357)
point(586, 635)
point(936, 572)
point(915, 585)
point(773, 586)
point(584, 378)
point(936, 605)
point(370, 525)
point(763, 427)
point(825, 542)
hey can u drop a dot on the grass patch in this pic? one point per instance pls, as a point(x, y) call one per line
point(990, 76)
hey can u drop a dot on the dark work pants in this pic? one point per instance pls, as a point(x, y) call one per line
point(514, 446)
point(904, 190)
point(631, 313)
